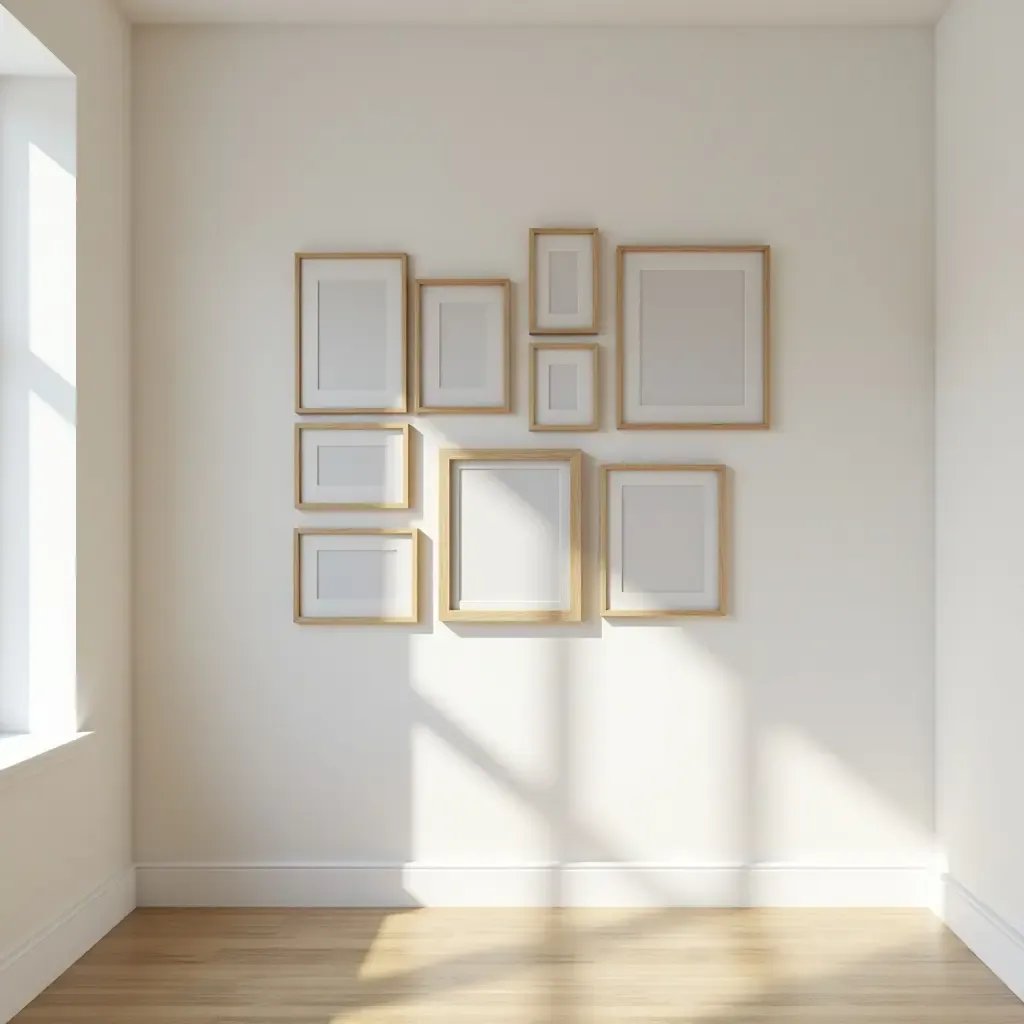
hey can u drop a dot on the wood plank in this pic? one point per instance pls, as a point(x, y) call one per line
point(527, 967)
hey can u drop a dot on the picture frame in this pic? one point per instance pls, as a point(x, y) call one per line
point(463, 347)
point(565, 386)
point(348, 577)
point(351, 332)
point(693, 350)
point(565, 281)
point(510, 536)
point(351, 466)
point(663, 541)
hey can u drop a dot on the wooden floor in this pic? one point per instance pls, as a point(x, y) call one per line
point(499, 967)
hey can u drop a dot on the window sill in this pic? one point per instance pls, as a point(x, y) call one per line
point(22, 753)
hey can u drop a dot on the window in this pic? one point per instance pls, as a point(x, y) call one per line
point(38, 432)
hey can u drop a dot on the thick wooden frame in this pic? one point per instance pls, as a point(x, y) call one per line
point(300, 257)
point(460, 282)
point(449, 458)
point(723, 543)
point(620, 343)
point(312, 506)
point(568, 346)
point(302, 620)
point(595, 320)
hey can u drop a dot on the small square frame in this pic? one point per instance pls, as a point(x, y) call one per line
point(536, 390)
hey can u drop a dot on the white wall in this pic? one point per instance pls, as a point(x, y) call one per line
point(64, 822)
point(980, 436)
point(797, 732)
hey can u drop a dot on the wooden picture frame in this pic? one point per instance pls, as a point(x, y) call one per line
point(693, 350)
point(375, 456)
point(392, 586)
point(686, 575)
point(475, 347)
point(565, 294)
point(510, 535)
point(569, 401)
point(359, 301)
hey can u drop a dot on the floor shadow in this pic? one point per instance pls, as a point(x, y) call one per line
point(857, 971)
point(545, 967)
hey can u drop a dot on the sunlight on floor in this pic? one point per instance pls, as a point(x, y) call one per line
point(671, 965)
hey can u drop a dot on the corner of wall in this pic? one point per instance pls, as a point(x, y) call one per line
point(992, 940)
point(31, 967)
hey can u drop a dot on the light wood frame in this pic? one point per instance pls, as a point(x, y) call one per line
point(595, 320)
point(620, 350)
point(300, 257)
point(569, 346)
point(723, 542)
point(312, 506)
point(450, 458)
point(302, 620)
point(461, 282)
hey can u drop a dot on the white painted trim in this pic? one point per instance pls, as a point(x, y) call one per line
point(995, 942)
point(578, 885)
point(29, 968)
point(22, 755)
point(560, 13)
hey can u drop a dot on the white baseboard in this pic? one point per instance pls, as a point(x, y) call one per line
point(29, 968)
point(997, 944)
point(574, 885)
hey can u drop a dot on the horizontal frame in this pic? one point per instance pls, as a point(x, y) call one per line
point(300, 258)
point(463, 282)
point(302, 620)
point(595, 321)
point(723, 543)
point(311, 506)
point(567, 346)
point(621, 254)
point(448, 460)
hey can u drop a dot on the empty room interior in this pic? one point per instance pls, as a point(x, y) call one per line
point(715, 308)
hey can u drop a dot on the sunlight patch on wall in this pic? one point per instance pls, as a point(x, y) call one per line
point(813, 804)
point(661, 749)
point(52, 263)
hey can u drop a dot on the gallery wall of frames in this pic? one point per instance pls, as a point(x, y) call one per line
point(692, 352)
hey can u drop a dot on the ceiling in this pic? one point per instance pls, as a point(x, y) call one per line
point(542, 12)
point(21, 53)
